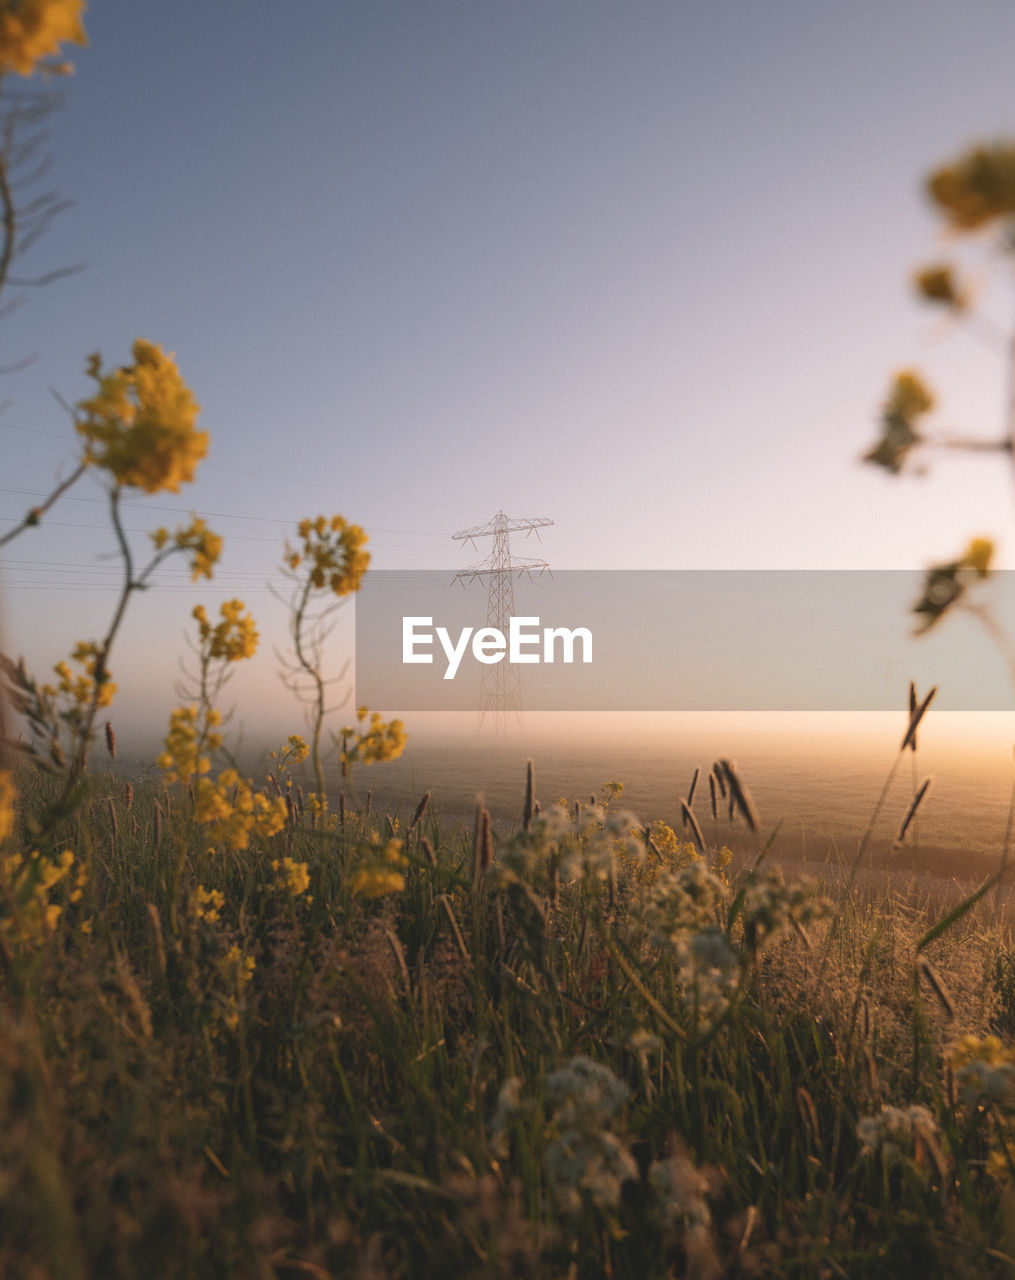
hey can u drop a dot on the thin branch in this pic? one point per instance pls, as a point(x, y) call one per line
point(36, 513)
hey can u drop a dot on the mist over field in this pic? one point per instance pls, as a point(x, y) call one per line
point(815, 776)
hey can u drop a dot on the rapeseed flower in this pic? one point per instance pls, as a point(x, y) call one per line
point(204, 545)
point(371, 743)
point(230, 640)
point(296, 875)
point(33, 30)
point(333, 551)
point(976, 188)
point(139, 426)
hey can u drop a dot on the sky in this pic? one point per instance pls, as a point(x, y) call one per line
point(641, 269)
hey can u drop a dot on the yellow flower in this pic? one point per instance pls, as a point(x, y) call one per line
point(181, 760)
point(374, 744)
point(295, 874)
point(976, 188)
point(27, 880)
point(235, 812)
point(381, 874)
point(31, 30)
point(908, 398)
point(233, 638)
point(139, 425)
point(8, 795)
point(208, 903)
point(333, 550)
point(375, 882)
point(205, 547)
point(77, 692)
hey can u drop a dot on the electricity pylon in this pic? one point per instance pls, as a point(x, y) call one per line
point(500, 691)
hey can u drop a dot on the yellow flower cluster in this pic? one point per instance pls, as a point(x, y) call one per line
point(373, 743)
point(32, 30)
point(27, 880)
point(978, 187)
point(233, 638)
point(382, 874)
point(295, 751)
point(236, 969)
point(197, 538)
point(140, 424)
point(333, 553)
point(182, 759)
point(234, 811)
point(80, 689)
point(295, 874)
point(8, 796)
point(665, 838)
point(208, 903)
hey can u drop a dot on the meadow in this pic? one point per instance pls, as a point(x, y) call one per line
point(270, 1018)
point(389, 1044)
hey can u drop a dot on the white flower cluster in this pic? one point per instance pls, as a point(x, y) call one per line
point(892, 1131)
point(581, 847)
point(586, 1162)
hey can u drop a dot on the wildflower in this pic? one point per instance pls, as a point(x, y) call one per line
point(197, 538)
point(682, 902)
point(295, 751)
point(896, 1132)
point(984, 1071)
point(77, 692)
point(908, 399)
point(664, 838)
point(945, 584)
point(182, 759)
point(587, 1162)
point(230, 640)
point(33, 30)
point(373, 743)
point(208, 903)
point(296, 875)
point(382, 874)
point(334, 552)
point(234, 811)
point(600, 840)
point(236, 970)
point(770, 904)
point(681, 1189)
point(27, 880)
point(139, 426)
point(976, 188)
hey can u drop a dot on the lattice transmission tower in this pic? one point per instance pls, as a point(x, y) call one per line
point(500, 691)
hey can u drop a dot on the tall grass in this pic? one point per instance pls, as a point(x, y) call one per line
point(567, 1052)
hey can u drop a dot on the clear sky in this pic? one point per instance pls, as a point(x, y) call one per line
point(640, 268)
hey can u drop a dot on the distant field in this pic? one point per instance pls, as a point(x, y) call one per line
point(821, 801)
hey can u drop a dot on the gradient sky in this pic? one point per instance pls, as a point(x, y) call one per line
point(639, 268)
